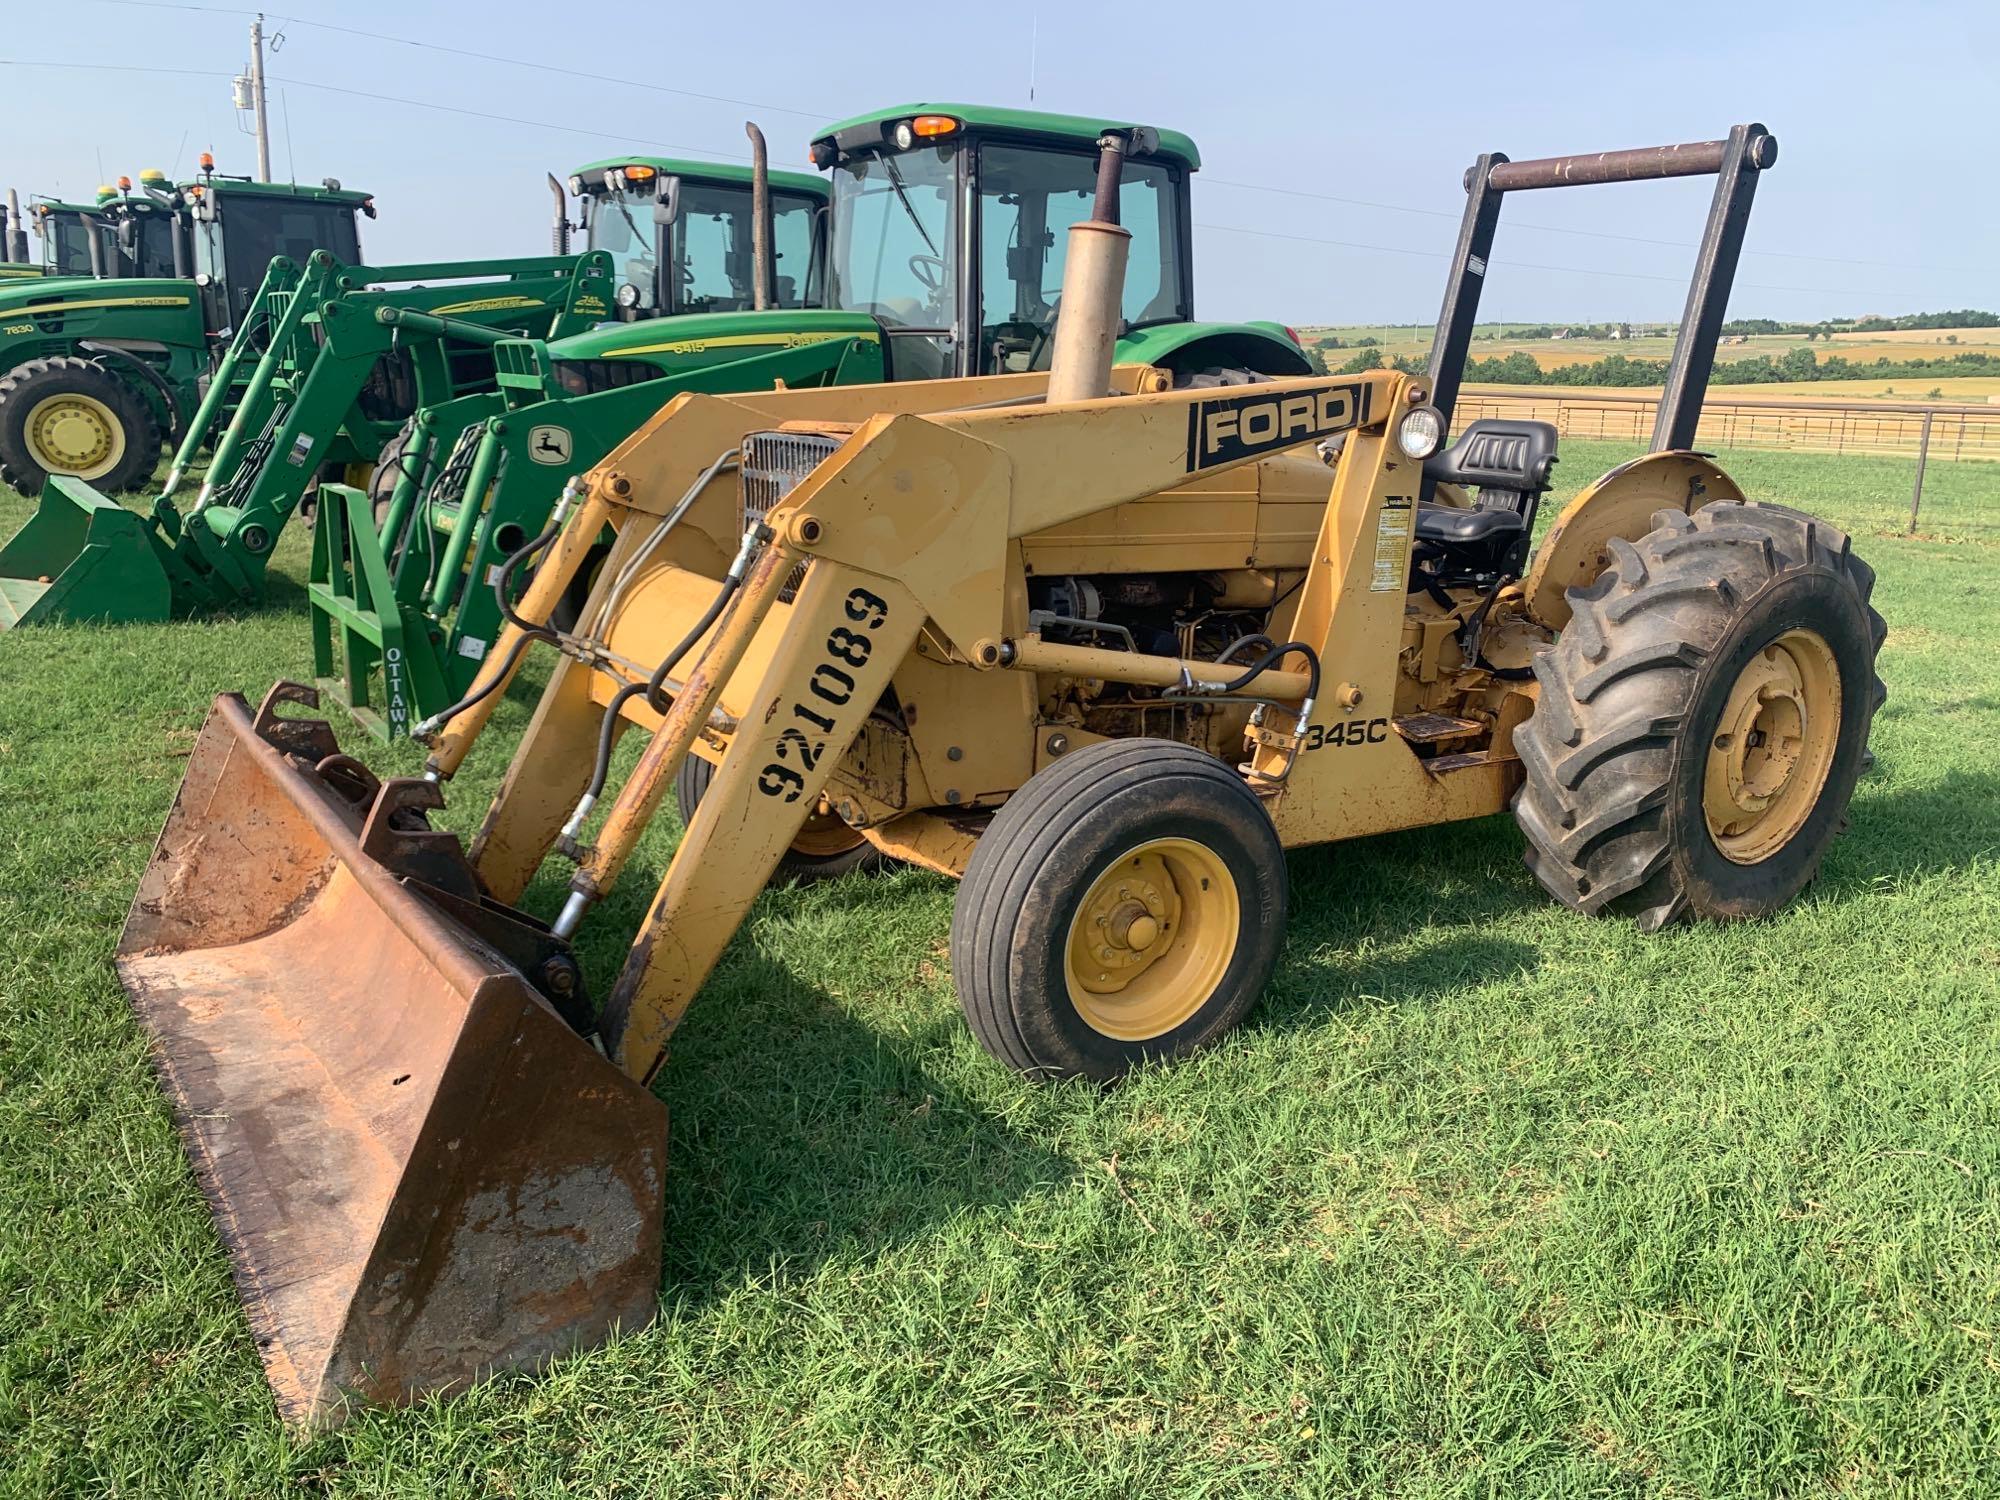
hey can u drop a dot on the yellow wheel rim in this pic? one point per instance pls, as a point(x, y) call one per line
point(1772, 748)
point(72, 433)
point(357, 476)
point(825, 835)
point(1151, 939)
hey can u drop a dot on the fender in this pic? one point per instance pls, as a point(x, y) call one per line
point(1188, 348)
point(1621, 504)
point(176, 427)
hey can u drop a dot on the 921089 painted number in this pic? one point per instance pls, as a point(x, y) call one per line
point(797, 752)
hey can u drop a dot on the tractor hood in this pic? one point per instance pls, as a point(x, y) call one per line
point(696, 340)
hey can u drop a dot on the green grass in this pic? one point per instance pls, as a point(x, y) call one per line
point(1485, 1199)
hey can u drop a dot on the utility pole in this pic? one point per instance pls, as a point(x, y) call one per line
point(257, 98)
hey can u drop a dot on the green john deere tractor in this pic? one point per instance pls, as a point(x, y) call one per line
point(944, 258)
point(93, 372)
point(329, 358)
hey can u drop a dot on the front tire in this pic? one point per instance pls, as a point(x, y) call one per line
point(1703, 718)
point(1127, 905)
point(72, 416)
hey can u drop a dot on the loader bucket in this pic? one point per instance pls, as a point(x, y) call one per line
point(81, 557)
point(421, 1172)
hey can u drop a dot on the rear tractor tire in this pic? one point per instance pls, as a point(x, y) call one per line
point(1127, 905)
point(73, 416)
point(1703, 718)
point(825, 848)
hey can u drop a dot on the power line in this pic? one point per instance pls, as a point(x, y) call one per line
point(1590, 234)
point(332, 88)
point(1255, 187)
point(735, 156)
point(492, 57)
point(1529, 265)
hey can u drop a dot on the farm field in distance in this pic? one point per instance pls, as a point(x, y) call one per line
point(1484, 1198)
point(1501, 339)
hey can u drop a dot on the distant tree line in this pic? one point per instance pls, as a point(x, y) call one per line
point(1795, 365)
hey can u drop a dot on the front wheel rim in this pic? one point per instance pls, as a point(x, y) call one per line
point(1772, 747)
point(1151, 939)
point(72, 433)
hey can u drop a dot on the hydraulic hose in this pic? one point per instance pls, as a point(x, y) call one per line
point(607, 731)
point(1243, 643)
point(503, 588)
point(1268, 660)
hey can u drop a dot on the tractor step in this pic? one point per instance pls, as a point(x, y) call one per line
point(1463, 760)
point(1428, 729)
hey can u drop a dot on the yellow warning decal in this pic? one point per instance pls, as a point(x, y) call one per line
point(1392, 544)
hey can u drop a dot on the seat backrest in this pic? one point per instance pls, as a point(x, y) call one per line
point(1510, 463)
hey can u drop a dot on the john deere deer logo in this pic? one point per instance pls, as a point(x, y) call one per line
point(549, 445)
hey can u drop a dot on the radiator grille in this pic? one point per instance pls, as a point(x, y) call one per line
point(773, 465)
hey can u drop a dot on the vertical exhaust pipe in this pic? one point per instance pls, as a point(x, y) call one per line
point(17, 232)
point(559, 231)
point(761, 229)
point(1093, 287)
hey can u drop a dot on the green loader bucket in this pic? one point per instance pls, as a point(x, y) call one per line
point(81, 557)
point(422, 1173)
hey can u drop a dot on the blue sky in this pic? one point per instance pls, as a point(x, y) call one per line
point(1881, 201)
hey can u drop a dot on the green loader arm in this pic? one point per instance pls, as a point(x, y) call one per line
point(299, 407)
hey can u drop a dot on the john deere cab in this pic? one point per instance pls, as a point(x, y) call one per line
point(948, 227)
point(95, 372)
point(71, 238)
point(680, 234)
point(944, 258)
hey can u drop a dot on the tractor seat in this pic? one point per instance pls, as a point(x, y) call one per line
point(1453, 523)
point(1509, 463)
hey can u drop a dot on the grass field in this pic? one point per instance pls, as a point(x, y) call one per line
point(1485, 1199)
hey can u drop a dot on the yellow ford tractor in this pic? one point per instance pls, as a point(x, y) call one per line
point(1103, 644)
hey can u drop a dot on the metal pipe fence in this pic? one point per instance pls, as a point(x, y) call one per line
point(1946, 431)
point(1928, 432)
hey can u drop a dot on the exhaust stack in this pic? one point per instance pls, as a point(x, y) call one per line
point(761, 233)
point(17, 234)
point(1093, 294)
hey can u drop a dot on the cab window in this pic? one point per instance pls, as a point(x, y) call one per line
point(714, 259)
point(894, 238)
point(255, 229)
point(1028, 199)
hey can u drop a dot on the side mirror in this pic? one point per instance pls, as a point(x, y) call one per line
point(667, 206)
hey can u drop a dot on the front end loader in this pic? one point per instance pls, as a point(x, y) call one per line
point(1102, 643)
point(333, 343)
point(401, 615)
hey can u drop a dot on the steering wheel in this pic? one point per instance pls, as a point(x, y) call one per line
point(929, 271)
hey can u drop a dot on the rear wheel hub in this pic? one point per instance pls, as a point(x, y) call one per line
point(1772, 748)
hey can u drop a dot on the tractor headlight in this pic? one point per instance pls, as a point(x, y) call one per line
point(1421, 432)
point(906, 136)
point(628, 295)
point(575, 186)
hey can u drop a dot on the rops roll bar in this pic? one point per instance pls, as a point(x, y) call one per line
point(1734, 162)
